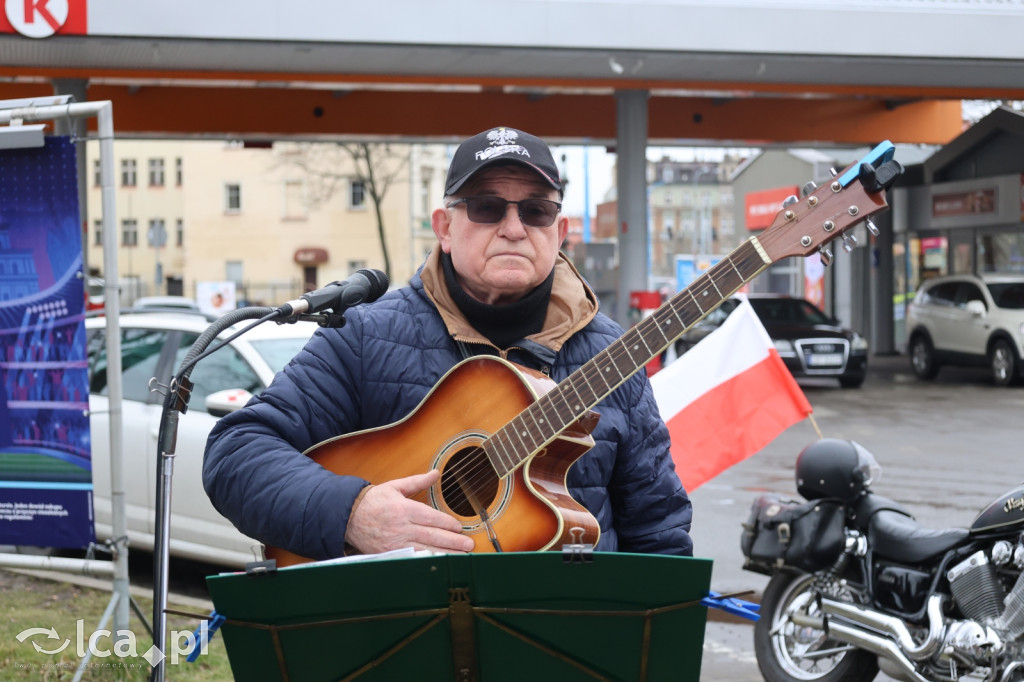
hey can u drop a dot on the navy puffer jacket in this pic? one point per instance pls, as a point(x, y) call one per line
point(375, 371)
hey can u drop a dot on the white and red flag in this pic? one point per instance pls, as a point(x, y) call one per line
point(726, 398)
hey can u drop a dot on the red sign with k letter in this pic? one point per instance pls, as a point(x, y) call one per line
point(44, 18)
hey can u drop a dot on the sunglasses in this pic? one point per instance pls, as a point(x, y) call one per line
point(490, 210)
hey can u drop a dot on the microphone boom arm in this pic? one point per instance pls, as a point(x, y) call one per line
point(326, 307)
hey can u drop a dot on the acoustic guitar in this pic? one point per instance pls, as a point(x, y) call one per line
point(504, 436)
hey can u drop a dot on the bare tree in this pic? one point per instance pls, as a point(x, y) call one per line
point(330, 166)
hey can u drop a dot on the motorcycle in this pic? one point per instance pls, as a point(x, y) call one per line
point(858, 586)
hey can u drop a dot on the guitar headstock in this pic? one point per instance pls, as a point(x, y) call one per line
point(854, 195)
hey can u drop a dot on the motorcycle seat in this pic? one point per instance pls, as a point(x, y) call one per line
point(899, 537)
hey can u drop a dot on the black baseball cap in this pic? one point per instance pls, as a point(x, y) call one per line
point(500, 145)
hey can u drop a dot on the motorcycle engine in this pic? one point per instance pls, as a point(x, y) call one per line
point(976, 587)
point(980, 593)
point(1012, 621)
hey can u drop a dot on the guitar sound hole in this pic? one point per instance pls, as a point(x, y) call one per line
point(468, 482)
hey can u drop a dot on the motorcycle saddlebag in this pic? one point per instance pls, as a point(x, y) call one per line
point(785, 532)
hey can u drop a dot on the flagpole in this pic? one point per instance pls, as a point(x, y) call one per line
point(810, 415)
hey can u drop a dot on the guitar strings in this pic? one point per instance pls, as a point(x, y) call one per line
point(476, 472)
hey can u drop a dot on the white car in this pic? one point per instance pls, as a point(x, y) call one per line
point(165, 303)
point(968, 320)
point(154, 345)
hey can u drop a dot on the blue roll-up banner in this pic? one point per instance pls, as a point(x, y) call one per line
point(45, 456)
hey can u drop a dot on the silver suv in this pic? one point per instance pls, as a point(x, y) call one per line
point(968, 320)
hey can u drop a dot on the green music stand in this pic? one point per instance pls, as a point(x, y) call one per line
point(483, 617)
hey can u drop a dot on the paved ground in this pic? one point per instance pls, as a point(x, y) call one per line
point(947, 448)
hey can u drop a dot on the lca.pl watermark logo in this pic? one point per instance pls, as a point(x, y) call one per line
point(124, 646)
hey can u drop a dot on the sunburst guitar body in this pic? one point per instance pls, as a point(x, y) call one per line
point(529, 509)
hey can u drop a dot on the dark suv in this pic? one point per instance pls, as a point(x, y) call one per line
point(810, 342)
point(968, 320)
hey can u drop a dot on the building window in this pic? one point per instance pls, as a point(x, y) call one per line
point(97, 176)
point(157, 234)
point(179, 232)
point(179, 172)
point(156, 172)
point(669, 223)
point(232, 197)
point(128, 172)
point(233, 271)
point(294, 200)
point(129, 232)
point(355, 266)
point(97, 233)
point(357, 194)
point(425, 194)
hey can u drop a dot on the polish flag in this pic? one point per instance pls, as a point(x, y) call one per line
point(726, 398)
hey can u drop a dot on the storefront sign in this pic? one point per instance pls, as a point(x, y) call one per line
point(763, 206)
point(689, 267)
point(216, 298)
point(971, 202)
point(44, 18)
point(311, 256)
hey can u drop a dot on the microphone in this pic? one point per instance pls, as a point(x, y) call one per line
point(362, 287)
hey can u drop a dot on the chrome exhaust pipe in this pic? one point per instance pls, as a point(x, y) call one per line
point(862, 639)
point(879, 646)
point(891, 626)
point(886, 636)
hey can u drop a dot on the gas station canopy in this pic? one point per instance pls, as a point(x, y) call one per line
point(750, 72)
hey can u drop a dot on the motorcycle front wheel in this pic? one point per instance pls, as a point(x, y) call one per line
point(787, 652)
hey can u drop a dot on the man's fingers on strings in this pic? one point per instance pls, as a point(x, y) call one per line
point(427, 516)
point(411, 485)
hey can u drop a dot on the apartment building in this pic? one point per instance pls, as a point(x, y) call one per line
point(275, 220)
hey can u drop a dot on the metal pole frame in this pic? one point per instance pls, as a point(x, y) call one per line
point(46, 109)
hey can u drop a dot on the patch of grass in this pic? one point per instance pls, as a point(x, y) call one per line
point(28, 602)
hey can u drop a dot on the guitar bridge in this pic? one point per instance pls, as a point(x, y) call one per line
point(491, 535)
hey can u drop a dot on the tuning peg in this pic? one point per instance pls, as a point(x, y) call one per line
point(833, 172)
point(808, 187)
point(789, 201)
point(872, 228)
point(849, 241)
point(826, 256)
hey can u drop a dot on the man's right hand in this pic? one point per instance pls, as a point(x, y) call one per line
point(384, 519)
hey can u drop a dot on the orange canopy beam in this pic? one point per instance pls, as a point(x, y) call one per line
point(273, 113)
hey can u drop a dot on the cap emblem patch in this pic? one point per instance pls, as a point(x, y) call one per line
point(502, 142)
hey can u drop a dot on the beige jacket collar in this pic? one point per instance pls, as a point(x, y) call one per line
point(573, 305)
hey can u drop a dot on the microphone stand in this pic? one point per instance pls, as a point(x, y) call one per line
point(176, 400)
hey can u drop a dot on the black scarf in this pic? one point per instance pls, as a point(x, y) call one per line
point(502, 324)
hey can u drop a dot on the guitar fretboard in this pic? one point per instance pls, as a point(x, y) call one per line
point(553, 412)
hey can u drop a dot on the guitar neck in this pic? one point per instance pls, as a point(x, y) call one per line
point(553, 412)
